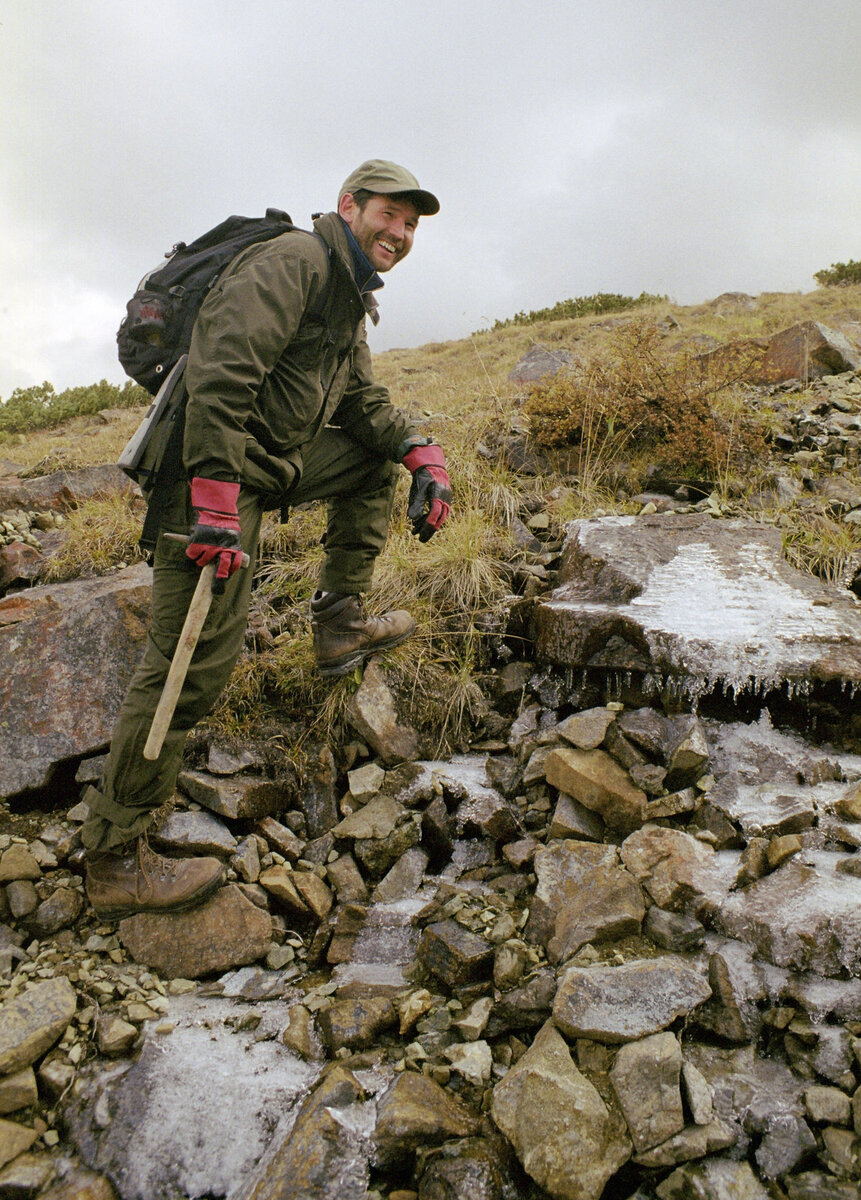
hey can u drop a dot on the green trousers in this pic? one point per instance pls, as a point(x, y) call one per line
point(359, 488)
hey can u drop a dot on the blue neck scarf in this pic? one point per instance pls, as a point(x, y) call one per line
point(367, 279)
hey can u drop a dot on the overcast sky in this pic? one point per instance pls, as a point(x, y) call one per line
point(686, 147)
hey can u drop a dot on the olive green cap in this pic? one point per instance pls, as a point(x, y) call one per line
point(385, 178)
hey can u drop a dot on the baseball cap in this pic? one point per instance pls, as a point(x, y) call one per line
point(385, 178)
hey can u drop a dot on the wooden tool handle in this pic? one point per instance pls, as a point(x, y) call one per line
point(194, 619)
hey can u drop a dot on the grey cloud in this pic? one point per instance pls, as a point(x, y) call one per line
point(679, 147)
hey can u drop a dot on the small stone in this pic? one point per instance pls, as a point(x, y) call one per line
point(14, 1140)
point(587, 729)
point(59, 911)
point(283, 839)
point(673, 931)
point(279, 956)
point(365, 782)
point(828, 1106)
point(781, 848)
point(698, 1095)
point(18, 1090)
point(246, 860)
point(571, 819)
point(519, 854)
point(139, 1012)
point(474, 1021)
point(55, 1075)
point(411, 1008)
point(115, 1036)
point(849, 805)
point(473, 1060)
point(355, 1022)
point(33, 1021)
point(22, 898)
point(18, 863)
point(26, 1176)
point(454, 954)
point(299, 1033)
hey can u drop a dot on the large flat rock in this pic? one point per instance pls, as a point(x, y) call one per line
point(696, 603)
point(68, 652)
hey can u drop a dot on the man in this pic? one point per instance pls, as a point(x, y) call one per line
point(282, 409)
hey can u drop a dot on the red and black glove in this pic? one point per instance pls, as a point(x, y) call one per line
point(216, 534)
point(430, 494)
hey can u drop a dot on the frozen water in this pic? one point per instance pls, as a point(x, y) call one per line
point(180, 1122)
point(715, 605)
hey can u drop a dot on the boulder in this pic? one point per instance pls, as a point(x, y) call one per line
point(621, 1004)
point(582, 895)
point(679, 872)
point(415, 1111)
point(227, 931)
point(373, 713)
point(805, 351)
point(597, 781)
point(561, 1130)
point(198, 1111)
point(647, 1079)
point(63, 490)
point(236, 797)
point(326, 1152)
point(539, 362)
point(59, 643)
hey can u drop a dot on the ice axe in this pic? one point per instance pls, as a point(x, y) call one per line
point(192, 626)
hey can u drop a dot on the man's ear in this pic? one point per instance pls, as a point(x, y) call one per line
point(347, 207)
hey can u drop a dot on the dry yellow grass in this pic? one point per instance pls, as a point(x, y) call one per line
point(461, 394)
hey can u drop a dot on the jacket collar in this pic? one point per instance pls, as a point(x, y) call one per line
point(337, 234)
point(366, 277)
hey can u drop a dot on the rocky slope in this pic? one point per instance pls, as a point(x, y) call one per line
point(614, 950)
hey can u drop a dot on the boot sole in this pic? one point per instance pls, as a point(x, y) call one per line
point(118, 911)
point(349, 662)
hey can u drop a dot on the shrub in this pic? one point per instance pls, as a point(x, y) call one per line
point(838, 273)
point(642, 398)
point(40, 407)
point(582, 306)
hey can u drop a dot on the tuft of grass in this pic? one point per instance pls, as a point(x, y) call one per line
point(816, 543)
point(102, 534)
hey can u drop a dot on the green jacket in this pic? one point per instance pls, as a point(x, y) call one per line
point(265, 374)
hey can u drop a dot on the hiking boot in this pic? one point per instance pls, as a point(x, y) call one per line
point(140, 880)
point(344, 637)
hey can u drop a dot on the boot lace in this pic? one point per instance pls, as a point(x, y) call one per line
point(152, 864)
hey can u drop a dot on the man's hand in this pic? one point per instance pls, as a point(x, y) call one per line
point(430, 493)
point(216, 533)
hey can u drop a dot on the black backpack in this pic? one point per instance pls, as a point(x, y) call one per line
point(156, 331)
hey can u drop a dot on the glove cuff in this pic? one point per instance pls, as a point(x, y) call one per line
point(428, 455)
point(214, 495)
point(410, 443)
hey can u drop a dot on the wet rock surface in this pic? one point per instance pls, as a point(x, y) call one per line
point(614, 953)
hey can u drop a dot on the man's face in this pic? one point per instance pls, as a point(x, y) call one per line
point(384, 228)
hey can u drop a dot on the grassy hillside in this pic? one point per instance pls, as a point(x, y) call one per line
point(460, 585)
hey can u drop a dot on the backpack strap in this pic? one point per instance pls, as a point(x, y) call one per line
point(170, 469)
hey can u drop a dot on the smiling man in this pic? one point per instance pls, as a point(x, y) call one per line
point(282, 409)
